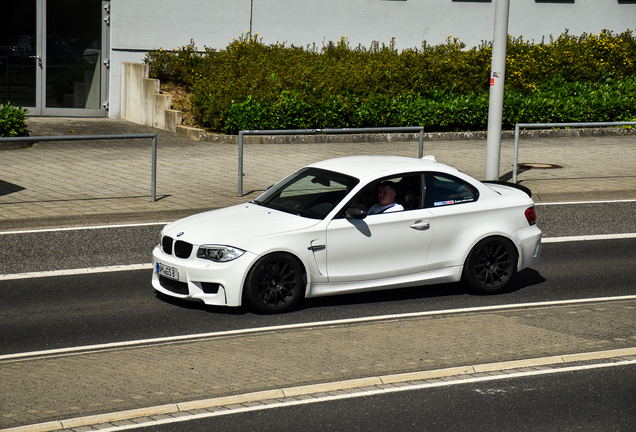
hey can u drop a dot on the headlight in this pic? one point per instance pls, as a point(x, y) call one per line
point(218, 253)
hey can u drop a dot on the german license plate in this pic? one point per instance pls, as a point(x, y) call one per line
point(167, 271)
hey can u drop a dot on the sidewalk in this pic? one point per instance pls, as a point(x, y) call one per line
point(96, 182)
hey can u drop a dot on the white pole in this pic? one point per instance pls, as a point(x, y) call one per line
point(497, 78)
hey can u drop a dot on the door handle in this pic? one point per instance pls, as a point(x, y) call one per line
point(420, 225)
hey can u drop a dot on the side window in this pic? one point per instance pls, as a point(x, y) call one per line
point(389, 194)
point(445, 189)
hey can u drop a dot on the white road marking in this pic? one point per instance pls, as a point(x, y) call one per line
point(177, 339)
point(90, 270)
point(585, 202)
point(588, 237)
point(80, 271)
point(358, 394)
point(83, 228)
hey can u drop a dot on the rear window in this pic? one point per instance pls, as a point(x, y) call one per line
point(445, 189)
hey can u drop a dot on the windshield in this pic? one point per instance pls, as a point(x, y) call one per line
point(310, 192)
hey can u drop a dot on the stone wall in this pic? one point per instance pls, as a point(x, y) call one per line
point(142, 101)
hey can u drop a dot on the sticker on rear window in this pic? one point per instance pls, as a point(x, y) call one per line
point(439, 203)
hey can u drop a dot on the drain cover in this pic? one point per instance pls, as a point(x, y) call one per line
point(539, 165)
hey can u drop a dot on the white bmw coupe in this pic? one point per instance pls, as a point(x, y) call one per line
point(349, 225)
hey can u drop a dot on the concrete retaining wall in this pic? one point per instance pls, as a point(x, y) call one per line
point(201, 135)
point(142, 101)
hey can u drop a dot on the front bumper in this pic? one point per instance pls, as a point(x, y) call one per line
point(212, 283)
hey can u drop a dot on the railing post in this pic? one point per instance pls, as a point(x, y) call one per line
point(421, 151)
point(515, 159)
point(240, 163)
point(153, 182)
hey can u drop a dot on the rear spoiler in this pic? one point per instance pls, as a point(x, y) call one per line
point(512, 185)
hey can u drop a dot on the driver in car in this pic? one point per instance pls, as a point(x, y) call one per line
point(386, 200)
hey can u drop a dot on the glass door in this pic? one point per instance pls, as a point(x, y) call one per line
point(73, 57)
point(51, 56)
point(20, 60)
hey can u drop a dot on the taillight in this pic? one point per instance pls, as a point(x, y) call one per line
point(531, 215)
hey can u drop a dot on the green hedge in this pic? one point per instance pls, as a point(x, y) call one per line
point(556, 101)
point(12, 120)
point(250, 85)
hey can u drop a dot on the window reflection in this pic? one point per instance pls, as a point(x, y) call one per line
point(17, 53)
point(73, 54)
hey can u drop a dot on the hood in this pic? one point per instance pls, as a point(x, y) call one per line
point(233, 225)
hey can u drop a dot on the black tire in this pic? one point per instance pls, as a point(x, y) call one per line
point(274, 284)
point(491, 265)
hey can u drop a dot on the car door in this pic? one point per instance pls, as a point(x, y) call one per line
point(454, 204)
point(382, 245)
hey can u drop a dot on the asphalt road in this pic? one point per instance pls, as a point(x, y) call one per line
point(80, 248)
point(65, 311)
point(40, 313)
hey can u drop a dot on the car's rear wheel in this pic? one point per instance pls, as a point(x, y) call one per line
point(274, 284)
point(491, 265)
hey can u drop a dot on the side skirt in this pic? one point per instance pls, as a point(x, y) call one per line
point(444, 275)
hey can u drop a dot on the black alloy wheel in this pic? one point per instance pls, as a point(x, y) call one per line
point(491, 265)
point(274, 284)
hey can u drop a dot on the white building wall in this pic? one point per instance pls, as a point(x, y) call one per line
point(141, 25)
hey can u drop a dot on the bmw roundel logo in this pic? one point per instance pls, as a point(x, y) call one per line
point(180, 234)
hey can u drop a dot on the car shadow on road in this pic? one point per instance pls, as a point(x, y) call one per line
point(195, 305)
point(524, 279)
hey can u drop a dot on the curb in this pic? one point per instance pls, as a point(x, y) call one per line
point(98, 218)
point(201, 135)
point(14, 145)
point(318, 388)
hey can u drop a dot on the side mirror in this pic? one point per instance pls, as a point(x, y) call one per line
point(356, 212)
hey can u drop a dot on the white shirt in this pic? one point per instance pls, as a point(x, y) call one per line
point(377, 208)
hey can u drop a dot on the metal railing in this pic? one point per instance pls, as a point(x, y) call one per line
point(551, 126)
point(242, 133)
point(153, 183)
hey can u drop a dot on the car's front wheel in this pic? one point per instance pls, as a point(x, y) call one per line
point(491, 265)
point(274, 284)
